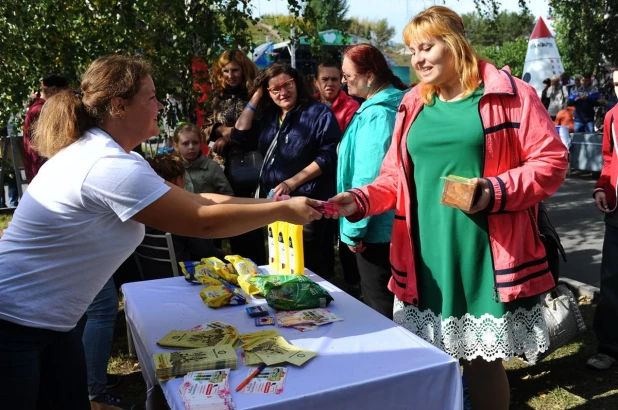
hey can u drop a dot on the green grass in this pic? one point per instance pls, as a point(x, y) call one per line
point(4, 221)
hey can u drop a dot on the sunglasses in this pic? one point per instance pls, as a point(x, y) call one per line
point(276, 90)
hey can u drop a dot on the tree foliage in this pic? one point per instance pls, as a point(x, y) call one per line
point(329, 14)
point(377, 30)
point(64, 36)
point(505, 27)
point(511, 53)
point(581, 34)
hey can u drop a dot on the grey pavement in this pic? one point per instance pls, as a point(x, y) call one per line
point(581, 229)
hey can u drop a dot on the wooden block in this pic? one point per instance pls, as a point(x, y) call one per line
point(458, 193)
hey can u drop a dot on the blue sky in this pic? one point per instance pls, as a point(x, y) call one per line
point(399, 12)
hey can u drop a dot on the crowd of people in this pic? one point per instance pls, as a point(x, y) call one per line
point(467, 282)
point(576, 104)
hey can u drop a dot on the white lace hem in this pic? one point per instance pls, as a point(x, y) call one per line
point(514, 334)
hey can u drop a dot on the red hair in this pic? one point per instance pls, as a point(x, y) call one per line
point(367, 58)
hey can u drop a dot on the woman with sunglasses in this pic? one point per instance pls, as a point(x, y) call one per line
point(298, 138)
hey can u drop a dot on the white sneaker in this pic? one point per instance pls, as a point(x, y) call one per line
point(601, 361)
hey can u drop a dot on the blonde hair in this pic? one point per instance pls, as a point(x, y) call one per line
point(167, 166)
point(68, 114)
point(249, 69)
point(185, 128)
point(442, 23)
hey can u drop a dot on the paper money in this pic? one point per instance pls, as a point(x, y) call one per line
point(278, 350)
point(251, 359)
point(318, 316)
point(206, 338)
point(174, 364)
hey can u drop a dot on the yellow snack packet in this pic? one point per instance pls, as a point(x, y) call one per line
point(242, 265)
point(216, 296)
point(224, 270)
point(247, 286)
point(199, 272)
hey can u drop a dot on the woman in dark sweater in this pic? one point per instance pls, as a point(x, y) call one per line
point(298, 138)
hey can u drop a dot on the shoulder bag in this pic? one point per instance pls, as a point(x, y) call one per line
point(560, 311)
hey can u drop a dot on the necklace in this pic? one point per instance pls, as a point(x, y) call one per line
point(377, 91)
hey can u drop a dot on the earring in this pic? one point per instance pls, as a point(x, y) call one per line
point(368, 85)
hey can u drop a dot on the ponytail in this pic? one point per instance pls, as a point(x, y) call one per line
point(63, 120)
point(67, 115)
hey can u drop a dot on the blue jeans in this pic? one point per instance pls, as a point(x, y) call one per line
point(41, 369)
point(13, 194)
point(587, 127)
point(98, 336)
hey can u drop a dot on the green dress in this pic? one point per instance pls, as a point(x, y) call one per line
point(458, 310)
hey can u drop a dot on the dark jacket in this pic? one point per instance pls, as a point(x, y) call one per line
point(308, 133)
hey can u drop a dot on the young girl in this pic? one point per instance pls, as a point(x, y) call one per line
point(202, 175)
point(171, 168)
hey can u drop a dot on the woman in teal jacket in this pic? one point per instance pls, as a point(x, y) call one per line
point(361, 152)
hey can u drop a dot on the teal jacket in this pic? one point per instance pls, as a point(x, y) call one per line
point(361, 152)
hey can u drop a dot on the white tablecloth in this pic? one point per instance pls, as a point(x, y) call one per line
point(364, 362)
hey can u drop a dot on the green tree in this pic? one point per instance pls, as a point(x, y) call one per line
point(379, 31)
point(483, 30)
point(511, 53)
point(329, 14)
point(65, 36)
point(585, 38)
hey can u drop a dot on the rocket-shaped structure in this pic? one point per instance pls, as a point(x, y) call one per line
point(542, 59)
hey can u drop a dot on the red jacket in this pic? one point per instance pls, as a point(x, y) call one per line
point(524, 161)
point(344, 108)
point(32, 160)
point(609, 173)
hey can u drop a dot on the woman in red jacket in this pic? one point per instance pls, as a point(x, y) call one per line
point(467, 282)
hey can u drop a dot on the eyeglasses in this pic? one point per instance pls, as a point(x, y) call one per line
point(276, 90)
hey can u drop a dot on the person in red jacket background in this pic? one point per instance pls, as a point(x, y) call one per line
point(328, 82)
point(32, 161)
point(605, 194)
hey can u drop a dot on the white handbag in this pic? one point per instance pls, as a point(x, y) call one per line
point(563, 318)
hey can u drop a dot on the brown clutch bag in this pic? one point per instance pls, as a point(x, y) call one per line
point(458, 192)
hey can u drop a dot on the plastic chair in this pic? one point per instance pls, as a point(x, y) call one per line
point(169, 249)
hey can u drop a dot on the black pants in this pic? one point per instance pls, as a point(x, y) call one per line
point(348, 264)
point(375, 271)
point(606, 315)
point(319, 247)
point(42, 369)
point(250, 245)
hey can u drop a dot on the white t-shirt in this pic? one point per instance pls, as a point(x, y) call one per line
point(72, 230)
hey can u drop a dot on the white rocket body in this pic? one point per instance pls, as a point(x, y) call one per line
point(542, 58)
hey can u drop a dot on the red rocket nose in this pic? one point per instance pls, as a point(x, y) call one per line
point(540, 30)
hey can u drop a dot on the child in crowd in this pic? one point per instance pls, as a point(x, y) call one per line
point(203, 175)
point(171, 168)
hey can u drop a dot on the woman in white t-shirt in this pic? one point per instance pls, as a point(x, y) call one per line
point(82, 216)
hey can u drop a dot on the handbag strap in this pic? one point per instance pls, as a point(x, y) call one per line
point(267, 157)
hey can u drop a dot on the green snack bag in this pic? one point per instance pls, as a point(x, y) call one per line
point(297, 293)
point(260, 281)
